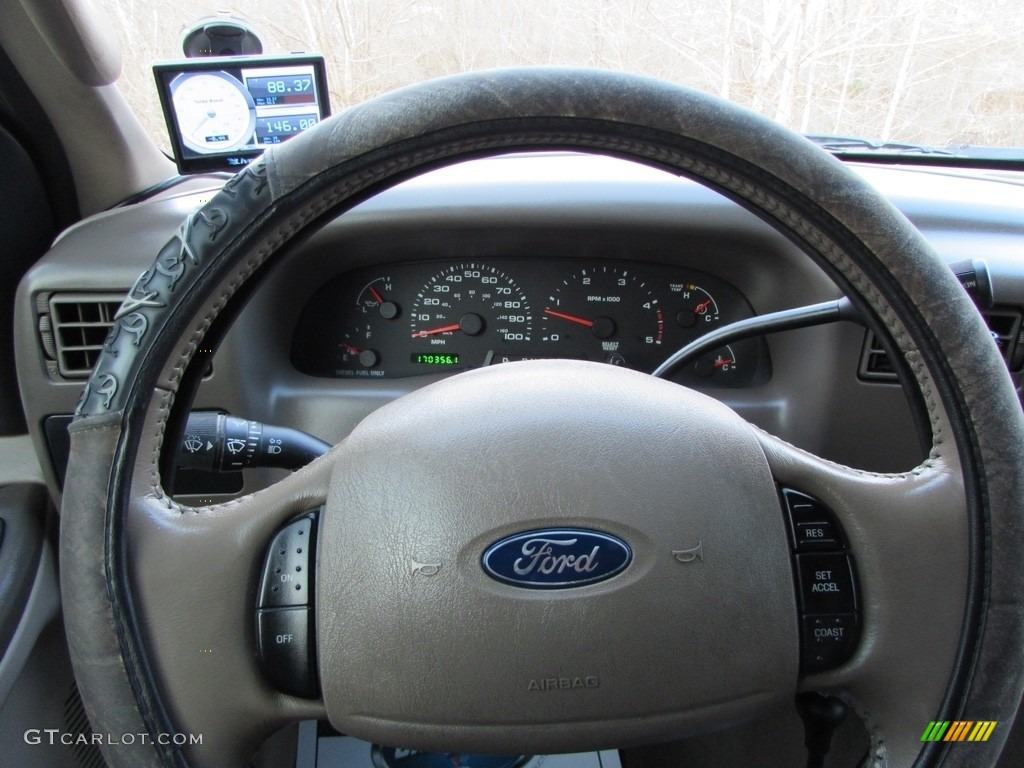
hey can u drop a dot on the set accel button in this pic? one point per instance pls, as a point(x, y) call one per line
point(826, 583)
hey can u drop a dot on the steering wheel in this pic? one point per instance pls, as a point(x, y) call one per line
point(702, 625)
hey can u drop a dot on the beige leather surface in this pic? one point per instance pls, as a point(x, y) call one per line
point(438, 476)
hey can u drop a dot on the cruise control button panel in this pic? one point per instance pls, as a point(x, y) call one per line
point(284, 613)
point(826, 583)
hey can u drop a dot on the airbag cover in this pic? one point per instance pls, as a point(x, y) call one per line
point(420, 647)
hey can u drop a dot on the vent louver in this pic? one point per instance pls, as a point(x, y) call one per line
point(72, 330)
point(1003, 323)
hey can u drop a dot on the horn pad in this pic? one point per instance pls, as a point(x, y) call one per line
point(541, 543)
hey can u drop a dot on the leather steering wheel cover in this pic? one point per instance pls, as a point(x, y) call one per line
point(817, 202)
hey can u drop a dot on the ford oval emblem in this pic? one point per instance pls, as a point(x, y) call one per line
point(556, 558)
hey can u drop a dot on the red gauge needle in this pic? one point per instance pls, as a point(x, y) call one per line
point(350, 349)
point(722, 363)
point(376, 295)
point(442, 329)
point(570, 318)
point(699, 309)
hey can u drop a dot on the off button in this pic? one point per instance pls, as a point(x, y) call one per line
point(288, 658)
point(826, 584)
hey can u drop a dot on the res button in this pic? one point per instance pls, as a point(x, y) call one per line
point(814, 527)
point(816, 536)
point(826, 584)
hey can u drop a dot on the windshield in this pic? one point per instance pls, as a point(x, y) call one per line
point(943, 73)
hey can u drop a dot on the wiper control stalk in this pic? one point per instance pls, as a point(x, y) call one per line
point(219, 442)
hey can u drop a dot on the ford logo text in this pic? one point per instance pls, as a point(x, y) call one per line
point(556, 558)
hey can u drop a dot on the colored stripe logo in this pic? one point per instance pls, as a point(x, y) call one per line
point(959, 730)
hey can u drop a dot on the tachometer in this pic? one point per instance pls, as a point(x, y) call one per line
point(470, 300)
point(608, 313)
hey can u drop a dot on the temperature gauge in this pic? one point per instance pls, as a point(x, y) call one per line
point(693, 306)
point(719, 365)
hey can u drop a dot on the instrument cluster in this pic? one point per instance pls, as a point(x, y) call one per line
point(429, 317)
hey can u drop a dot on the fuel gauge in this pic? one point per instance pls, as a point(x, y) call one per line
point(356, 354)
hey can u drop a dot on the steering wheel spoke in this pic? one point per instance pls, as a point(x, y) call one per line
point(196, 573)
point(907, 539)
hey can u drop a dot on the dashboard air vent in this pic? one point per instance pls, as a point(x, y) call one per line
point(72, 329)
point(1004, 324)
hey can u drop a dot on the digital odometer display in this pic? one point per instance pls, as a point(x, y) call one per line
point(429, 359)
point(224, 112)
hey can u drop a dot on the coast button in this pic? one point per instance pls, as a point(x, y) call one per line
point(827, 641)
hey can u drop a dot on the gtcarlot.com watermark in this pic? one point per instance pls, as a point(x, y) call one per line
point(55, 736)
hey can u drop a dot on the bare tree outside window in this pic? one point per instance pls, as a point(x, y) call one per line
point(942, 72)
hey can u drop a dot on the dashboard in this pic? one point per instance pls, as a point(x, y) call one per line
point(519, 257)
point(427, 317)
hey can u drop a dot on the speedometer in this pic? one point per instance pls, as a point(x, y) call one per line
point(469, 309)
